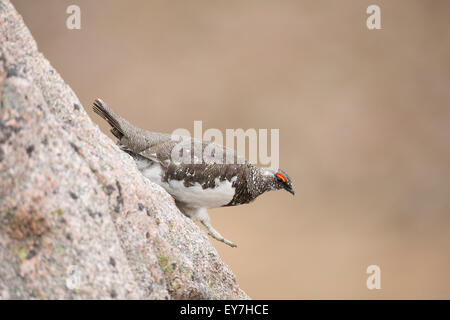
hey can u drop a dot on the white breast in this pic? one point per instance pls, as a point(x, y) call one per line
point(194, 196)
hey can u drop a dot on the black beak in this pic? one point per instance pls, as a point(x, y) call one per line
point(290, 190)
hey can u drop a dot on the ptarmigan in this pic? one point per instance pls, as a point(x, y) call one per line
point(196, 185)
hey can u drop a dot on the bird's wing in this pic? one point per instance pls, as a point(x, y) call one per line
point(191, 151)
point(196, 161)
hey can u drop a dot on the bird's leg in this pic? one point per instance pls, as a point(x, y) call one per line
point(203, 217)
point(216, 235)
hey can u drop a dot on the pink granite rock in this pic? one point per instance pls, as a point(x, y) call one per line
point(77, 220)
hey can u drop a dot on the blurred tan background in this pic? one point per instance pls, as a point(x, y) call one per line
point(364, 121)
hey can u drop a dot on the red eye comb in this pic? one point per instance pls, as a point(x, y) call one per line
point(279, 175)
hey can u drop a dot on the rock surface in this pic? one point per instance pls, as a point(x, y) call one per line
point(77, 220)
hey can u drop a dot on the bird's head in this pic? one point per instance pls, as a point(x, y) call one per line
point(278, 179)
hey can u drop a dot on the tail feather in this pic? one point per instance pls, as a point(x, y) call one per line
point(117, 133)
point(114, 120)
point(130, 137)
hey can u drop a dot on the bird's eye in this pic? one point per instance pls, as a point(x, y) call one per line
point(280, 177)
